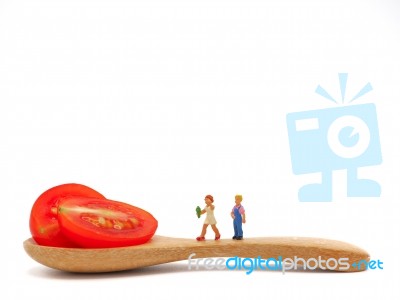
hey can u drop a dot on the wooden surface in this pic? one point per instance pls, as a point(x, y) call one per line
point(165, 249)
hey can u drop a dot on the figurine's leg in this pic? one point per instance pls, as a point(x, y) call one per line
point(216, 231)
point(240, 230)
point(235, 228)
point(318, 192)
point(204, 230)
point(361, 187)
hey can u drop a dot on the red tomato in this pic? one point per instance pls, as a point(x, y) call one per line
point(102, 223)
point(43, 222)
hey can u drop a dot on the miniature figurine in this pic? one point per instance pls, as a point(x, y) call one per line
point(210, 219)
point(239, 217)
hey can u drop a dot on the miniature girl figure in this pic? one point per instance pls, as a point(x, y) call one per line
point(210, 219)
point(238, 217)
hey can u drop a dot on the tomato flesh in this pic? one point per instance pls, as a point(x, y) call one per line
point(43, 221)
point(103, 223)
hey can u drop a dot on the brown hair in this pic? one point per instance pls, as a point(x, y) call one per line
point(210, 197)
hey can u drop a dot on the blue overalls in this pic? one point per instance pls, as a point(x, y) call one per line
point(237, 222)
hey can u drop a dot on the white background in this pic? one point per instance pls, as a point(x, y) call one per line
point(158, 103)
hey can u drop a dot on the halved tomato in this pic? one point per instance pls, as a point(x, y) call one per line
point(43, 221)
point(102, 223)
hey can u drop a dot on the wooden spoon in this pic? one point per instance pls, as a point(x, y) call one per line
point(166, 249)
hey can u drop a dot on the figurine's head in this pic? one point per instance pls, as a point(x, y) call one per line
point(238, 199)
point(209, 199)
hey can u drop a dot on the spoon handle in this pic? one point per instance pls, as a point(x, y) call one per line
point(264, 247)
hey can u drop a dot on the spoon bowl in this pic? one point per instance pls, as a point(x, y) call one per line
point(162, 249)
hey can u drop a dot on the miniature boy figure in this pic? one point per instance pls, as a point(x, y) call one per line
point(210, 219)
point(239, 217)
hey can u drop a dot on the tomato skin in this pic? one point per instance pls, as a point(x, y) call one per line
point(43, 222)
point(87, 235)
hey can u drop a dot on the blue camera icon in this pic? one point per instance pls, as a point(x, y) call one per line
point(325, 140)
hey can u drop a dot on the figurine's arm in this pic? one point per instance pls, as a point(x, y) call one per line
point(203, 211)
point(243, 218)
point(232, 215)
